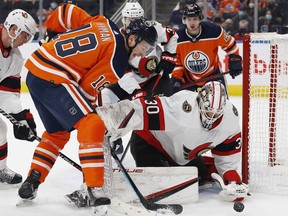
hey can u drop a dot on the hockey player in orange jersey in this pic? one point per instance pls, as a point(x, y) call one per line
point(197, 50)
point(60, 75)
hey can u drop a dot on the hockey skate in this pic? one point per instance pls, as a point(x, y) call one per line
point(79, 198)
point(28, 189)
point(10, 177)
point(98, 200)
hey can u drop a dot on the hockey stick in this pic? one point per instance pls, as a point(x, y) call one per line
point(176, 208)
point(125, 152)
point(116, 204)
point(64, 157)
point(170, 191)
point(156, 82)
point(204, 79)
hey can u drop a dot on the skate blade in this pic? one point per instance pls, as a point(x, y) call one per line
point(24, 203)
point(100, 210)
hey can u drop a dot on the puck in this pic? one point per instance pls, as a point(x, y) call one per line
point(238, 206)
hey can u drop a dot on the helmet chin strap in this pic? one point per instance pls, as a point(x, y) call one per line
point(12, 38)
point(131, 47)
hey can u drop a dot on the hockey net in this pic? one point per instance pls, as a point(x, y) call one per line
point(265, 112)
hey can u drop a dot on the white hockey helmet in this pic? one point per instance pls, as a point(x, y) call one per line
point(23, 21)
point(212, 100)
point(131, 11)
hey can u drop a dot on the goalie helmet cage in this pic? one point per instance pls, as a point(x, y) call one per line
point(265, 116)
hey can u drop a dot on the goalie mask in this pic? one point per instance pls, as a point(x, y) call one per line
point(211, 100)
point(24, 23)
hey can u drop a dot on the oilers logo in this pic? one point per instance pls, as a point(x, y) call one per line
point(197, 62)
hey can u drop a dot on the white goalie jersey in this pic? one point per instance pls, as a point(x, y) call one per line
point(173, 126)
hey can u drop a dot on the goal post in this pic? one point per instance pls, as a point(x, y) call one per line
point(265, 112)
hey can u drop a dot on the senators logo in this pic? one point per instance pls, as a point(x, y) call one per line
point(186, 107)
point(25, 15)
point(197, 62)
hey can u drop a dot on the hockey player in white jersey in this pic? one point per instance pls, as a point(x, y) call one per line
point(146, 69)
point(175, 130)
point(19, 28)
point(166, 61)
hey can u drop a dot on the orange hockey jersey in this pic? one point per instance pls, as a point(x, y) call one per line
point(198, 57)
point(91, 56)
point(67, 17)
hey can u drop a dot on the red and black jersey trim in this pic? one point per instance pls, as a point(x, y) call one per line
point(11, 84)
point(153, 114)
point(3, 151)
point(229, 146)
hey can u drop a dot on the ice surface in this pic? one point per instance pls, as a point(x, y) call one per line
point(64, 179)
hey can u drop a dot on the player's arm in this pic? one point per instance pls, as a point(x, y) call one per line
point(125, 88)
point(177, 76)
point(10, 103)
point(228, 44)
point(126, 115)
point(227, 157)
point(168, 39)
point(64, 18)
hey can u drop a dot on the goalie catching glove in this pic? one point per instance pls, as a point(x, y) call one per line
point(235, 65)
point(26, 129)
point(232, 191)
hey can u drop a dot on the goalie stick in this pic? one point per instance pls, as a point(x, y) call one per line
point(170, 191)
point(63, 156)
point(204, 79)
point(176, 208)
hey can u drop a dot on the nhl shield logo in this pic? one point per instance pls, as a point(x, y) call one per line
point(186, 107)
point(197, 62)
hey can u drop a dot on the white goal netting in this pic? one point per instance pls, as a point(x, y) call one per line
point(265, 112)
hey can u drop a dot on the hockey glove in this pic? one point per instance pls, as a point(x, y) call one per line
point(232, 191)
point(26, 129)
point(235, 65)
point(167, 63)
point(47, 37)
point(176, 83)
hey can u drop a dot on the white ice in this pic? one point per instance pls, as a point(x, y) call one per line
point(64, 179)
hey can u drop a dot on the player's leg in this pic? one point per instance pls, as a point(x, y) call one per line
point(91, 130)
point(145, 155)
point(6, 174)
point(59, 109)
